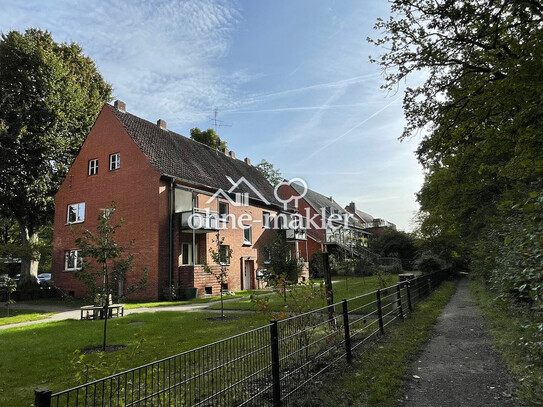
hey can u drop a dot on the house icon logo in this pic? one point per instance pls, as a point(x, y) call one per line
point(240, 198)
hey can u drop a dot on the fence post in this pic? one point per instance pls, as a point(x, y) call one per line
point(347, 332)
point(276, 376)
point(399, 295)
point(42, 398)
point(380, 311)
point(408, 288)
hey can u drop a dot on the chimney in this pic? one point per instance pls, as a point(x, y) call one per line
point(226, 151)
point(120, 106)
point(232, 154)
point(162, 124)
point(247, 160)
point(352, 206)
point(330, 198)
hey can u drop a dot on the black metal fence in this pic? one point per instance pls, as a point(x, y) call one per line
point(266, 366)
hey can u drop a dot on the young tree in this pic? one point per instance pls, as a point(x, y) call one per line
point(50, 95)
point(272, 174)
point(104, 259)
point(207, 137)
point(220, 254)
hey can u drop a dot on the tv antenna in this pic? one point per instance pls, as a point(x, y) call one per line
point(216, 122)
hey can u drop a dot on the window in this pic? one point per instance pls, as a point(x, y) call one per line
point(223, 211)
point(224, 254)
point(247, 235)
point(72, 260)
point(266, 255)
point(114, 161)
point(76, 213)
point(266, 220)
point(186, 254)
point(93, 167)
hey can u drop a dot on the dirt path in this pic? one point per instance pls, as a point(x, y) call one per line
point(459, 366)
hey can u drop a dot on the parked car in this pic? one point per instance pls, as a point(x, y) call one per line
point(44, 278)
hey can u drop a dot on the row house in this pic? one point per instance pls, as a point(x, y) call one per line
point(177, 197)
point(375, 226)
point(328, 227)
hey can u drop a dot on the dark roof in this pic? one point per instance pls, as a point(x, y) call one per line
point(316, 200)
point(366, 217)
point(172, 154)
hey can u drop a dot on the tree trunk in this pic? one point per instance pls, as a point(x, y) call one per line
point(31, 259)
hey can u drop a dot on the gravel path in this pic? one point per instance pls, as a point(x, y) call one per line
point(459, 366)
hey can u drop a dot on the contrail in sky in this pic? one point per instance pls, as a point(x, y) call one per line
point(348, 131)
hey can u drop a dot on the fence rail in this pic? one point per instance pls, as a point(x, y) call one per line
point(266, 366)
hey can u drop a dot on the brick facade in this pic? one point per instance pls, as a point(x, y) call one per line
point(145, 199)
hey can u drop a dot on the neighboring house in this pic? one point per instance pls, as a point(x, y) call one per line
point(174, 194)
point(375, 226)
point(328, 226)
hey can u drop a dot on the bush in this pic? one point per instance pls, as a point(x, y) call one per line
point(428, 263)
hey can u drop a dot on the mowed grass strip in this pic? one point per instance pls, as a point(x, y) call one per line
point(42, 355)
point(344, 288)
point(18, 315)
point(375, 377)
point(516, 338)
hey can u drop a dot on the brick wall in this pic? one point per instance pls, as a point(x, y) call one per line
point(134, 187)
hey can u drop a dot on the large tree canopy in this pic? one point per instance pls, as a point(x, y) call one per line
point(480, 113)
point(50, 95)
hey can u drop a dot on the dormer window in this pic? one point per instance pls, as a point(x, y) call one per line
point(114, 161)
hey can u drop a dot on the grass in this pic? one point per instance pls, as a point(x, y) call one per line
point(520, 344)
point(16, 316)
point(42, 355)
point(236, 295)
point(375, 377)
point(343, 289)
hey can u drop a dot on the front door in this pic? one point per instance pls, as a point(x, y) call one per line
point(248, 276)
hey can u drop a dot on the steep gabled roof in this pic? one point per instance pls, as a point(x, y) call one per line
point(317, 201)
point(172, 154)
point(365, 217)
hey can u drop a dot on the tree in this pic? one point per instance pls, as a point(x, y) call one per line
point(220, 255)
point(479, 107)
point(272, 174)
point(50, 95)
point(104, 259)
point(208, 137)
point(283, 265)
point(395, 243)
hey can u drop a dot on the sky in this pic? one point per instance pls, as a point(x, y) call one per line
point(291, 82)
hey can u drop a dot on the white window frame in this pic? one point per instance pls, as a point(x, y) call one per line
point(78, 211)
point(190, 260)
point(247, 240)
point(93, 166)
point(77, 259)
point(114, 161)
point(223, 215)
point(228, 250)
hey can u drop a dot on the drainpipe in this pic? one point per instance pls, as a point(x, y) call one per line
point(170, 243)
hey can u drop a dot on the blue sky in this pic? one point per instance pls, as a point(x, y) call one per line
point(291, 80)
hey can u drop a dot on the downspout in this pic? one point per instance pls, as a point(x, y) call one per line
point(170, 243)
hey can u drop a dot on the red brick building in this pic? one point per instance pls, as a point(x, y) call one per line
point(174, 194)
point(328, 226)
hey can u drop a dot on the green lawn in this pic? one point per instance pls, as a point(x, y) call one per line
point(42, 355)
point(302, 299)
point(17, 315)
point(236, 295)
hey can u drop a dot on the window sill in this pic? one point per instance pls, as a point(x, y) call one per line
point(74, 223)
